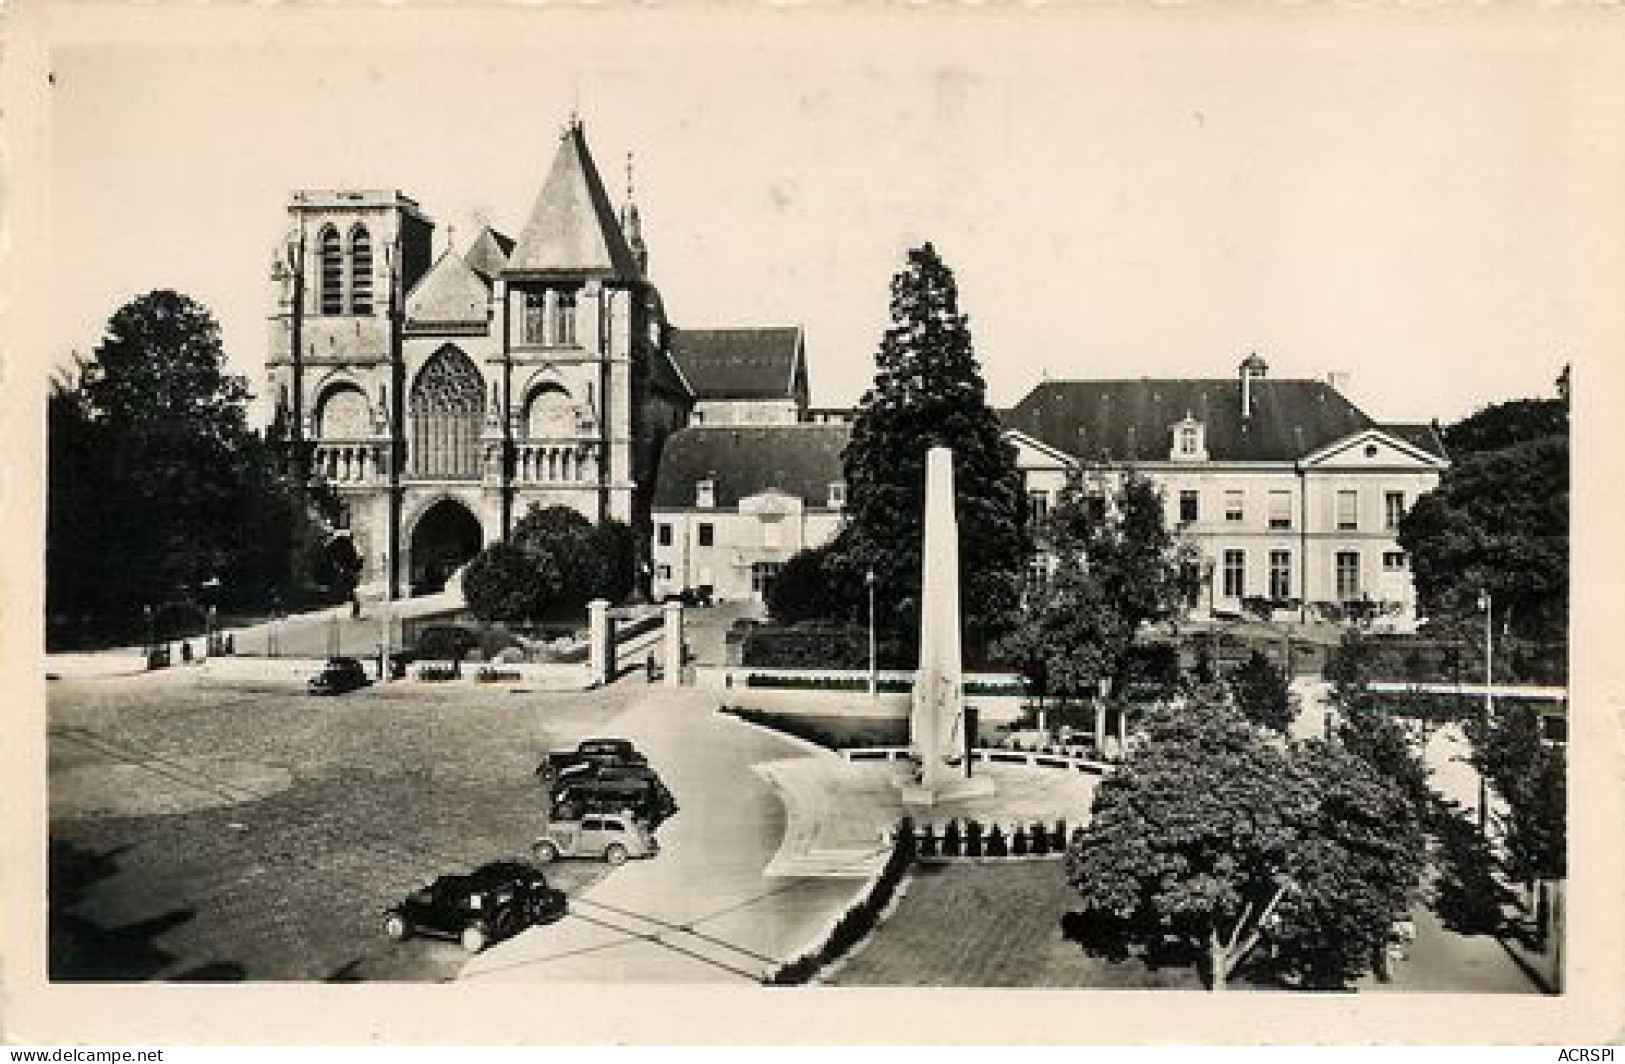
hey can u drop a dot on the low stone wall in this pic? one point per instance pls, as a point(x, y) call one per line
point(1071, 762)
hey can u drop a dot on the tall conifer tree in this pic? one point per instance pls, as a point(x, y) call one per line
point(928, 391)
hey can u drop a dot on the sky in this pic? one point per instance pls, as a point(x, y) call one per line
point(1399, 210)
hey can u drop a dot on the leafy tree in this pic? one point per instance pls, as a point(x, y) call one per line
point(157, 487)
point(506, 582)
point(1365, 728)
point(1531, 778)
point(575, 547)
point(1360, 850)
point(1114, 568)
point(1498, 519)
point(1262, 693)
point(1210, 841)
point(554, 563)
point(802, 590)
point(928, 390)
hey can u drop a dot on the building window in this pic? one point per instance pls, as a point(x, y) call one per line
point(762, 575)
point(663, 534)
point(1348, 511)
point(1037, 507)
point(1348, 575)
point(564, 320)
point(1038, 575)
point(1280, 509)
point(534, 307)
point(1235, 573)
point(663, 571)
point(705, 532)
point(698, 417)
point(1190, 509)
point(1234, 509)
point(1393, 509)
point(1393, 560)
point(1187, 441)
point(1280, 574)
point(360, 271)
point(705, 494)
point(837, 494)
point(1094, 505)
point(1190, 577)
point(331, 279)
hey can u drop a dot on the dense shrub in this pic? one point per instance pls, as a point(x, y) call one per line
point(928, 841)
point(1040, 839)
point(952, 841)
point(437, 673)
point(997, 845)
point(1057, 839)
point(973, 838)
point(1018, 842)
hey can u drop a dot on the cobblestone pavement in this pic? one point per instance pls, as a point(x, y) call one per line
point(206, 828)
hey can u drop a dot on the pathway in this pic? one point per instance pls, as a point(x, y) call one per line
point(704, 910)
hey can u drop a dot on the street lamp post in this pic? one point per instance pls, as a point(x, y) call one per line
point(874, 675)
point(1486, 602)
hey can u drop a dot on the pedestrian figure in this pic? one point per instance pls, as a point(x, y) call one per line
point(649, 667)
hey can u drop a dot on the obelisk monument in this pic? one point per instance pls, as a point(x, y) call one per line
point(934, 716)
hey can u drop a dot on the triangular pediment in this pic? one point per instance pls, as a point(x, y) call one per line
point(1036, 454)
point(1372, 448)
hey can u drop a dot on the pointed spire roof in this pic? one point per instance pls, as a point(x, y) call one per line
point(451, 293)
point(572, 227)
point(488, 254)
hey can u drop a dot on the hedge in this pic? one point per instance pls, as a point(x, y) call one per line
point(859, 920)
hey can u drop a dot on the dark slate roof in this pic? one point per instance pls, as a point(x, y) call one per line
point(739, 363)
point(800, 460)
point(1132, 420)
point(489, 253)
point(1422, 435)
point(572, 227)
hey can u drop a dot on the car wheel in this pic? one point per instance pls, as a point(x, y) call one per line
point(615, 853)
point(545, 852)
point(397, 927)
point(474, 938)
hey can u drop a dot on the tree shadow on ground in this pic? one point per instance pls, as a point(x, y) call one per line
point(83, 950)
point(1467, 892)
point(1113, 941)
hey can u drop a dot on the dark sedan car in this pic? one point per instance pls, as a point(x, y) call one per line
point(338, 676)
point(490, 903)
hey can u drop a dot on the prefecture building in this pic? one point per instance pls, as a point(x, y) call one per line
point(443, 394)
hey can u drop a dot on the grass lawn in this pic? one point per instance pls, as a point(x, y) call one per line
point(996, 924)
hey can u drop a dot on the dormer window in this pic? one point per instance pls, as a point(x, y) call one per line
point(837, 494)
point(1190, 441)
point(705, 493)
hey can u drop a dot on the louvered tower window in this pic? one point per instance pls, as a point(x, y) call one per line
point(446, 411)
point(360, 271)
point(331, 281)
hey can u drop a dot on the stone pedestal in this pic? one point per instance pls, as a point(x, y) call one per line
point(600, 651)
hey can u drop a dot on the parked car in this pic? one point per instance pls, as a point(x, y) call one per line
point(490, 903)
point(338, 676)
point(612, 788)
point(615, 837)
point(588, 754)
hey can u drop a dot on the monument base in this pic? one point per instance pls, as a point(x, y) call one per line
point(957, 788)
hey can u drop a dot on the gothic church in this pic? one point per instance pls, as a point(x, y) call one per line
point(442, 396)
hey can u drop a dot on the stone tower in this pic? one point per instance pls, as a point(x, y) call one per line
point(443, 395)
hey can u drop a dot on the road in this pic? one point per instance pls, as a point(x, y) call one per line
point(702, 911)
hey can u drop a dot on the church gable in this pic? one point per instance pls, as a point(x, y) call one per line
point(451, 293)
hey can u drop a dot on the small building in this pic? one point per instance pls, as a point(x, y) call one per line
point(732, 504)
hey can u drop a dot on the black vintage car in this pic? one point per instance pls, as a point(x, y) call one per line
point(589, 754)
point(480, 907)
point(338, 676)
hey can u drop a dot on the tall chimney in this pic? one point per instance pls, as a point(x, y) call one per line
point(1252, 368)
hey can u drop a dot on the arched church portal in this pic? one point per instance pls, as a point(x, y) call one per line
point(443, 541)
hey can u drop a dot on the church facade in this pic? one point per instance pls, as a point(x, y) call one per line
point(443, 395)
